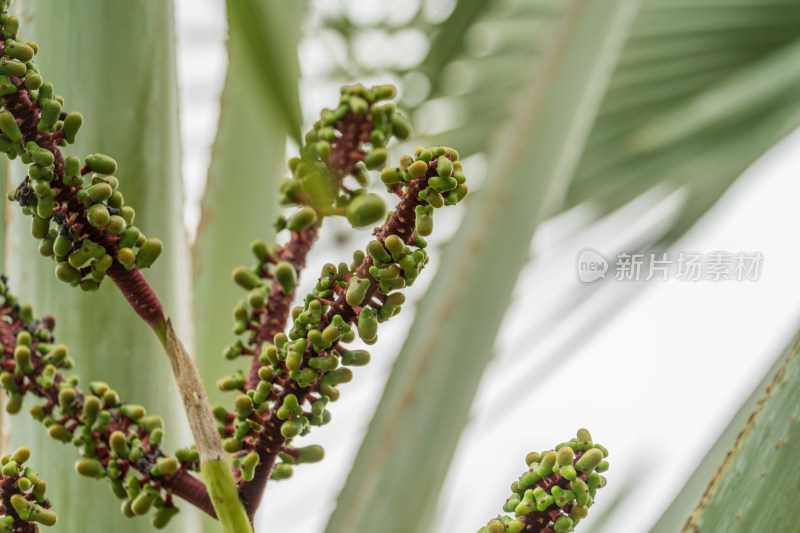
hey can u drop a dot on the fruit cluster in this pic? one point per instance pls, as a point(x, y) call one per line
point(117, 441)
point(300, 371)
point(556, 491)
point(77, 211)
point(23, 503)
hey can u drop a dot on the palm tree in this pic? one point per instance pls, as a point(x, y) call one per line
point(582, 117)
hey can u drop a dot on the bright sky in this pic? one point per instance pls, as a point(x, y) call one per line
point(669, 361)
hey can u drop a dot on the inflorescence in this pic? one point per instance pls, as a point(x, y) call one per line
point(22, 495)
point(556, 491)
point(118, 441)
point(76, 209)
point(295, 374)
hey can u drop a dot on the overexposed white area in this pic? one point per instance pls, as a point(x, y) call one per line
point(652, 368)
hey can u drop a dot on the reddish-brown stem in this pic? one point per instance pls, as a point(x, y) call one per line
point(189, 488)
point(279, 303)
point(139, 294)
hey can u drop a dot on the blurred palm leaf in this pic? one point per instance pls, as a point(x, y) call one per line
point(437, 372)
point(248, 160)
point(128, 97)
point(267, 42)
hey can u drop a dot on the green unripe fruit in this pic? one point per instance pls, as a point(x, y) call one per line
point(357, 290)
point(281, 471)
point(24, 484)
point(401, 127)
point(51, 110)
point(99, 192)
point(515, 526)
point(72, 166)
point(444, 167)
point(257, 298)
point(311, 454)
point(126, 257)
point(325, 363)
point(495, 526)
point(355, 358)
point(578, 511)
point(44, 207)
point(395, 246)
point(72, 123)
point(565, 456)
point(41, 156)
point(163, 516)
point(88, 467)
point(259, 249)
point(132, 411)
point(589, 461)
point(384, 92)
point(10, 127)
point(390, 176)
point(119, 444)
point(22, 357)
point(65, 397)
point(423, 222)
point(292, 428)
point(290, 408)
point(21, 454)
point(127, 213)
point(376, 158)
point(46, 246)
point(417, 169)
point(91, 406)
point(98, 216)
point(562, 524)
point(61, 246)
point(584, 439)
point(432, 196)
point(358, 105)
point(40, 227)
point(117, 200)
point(12, 68)
point(39, 489)
point(443, 184)
point(286, 276)
point(304, 218)
point(378, 253)
point(244, 406)
point(365, 209)
point(547, 463)
point(148, 253)
point(367, 324)
point(581, 490)
point(142, 503)
point(246, 278)
point(33, 80)
point(18, 50)
point(101, 164)
point(165, 466)
point(129, 237)
point(66, 273)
